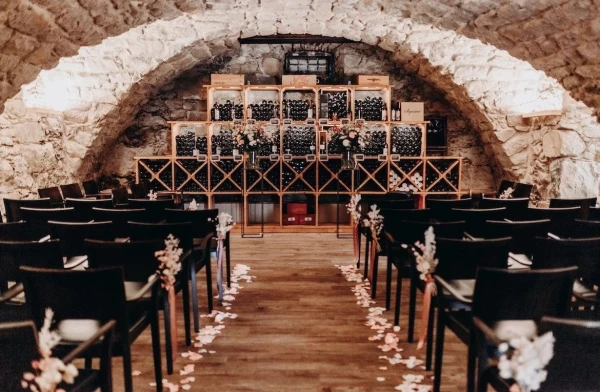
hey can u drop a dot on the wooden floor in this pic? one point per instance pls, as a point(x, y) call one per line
point(298, 328)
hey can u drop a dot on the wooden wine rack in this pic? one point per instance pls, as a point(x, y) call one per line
point(209, 175)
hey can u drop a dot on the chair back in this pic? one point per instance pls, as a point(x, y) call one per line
point(120, 195)
point(155, 208)
point(504, 185)
point(19, 348)
point(594, 213)
point(523, 233)
point(441, 208)
point(119, 218)
point(515, 208)
point(90, 187)
point(12, 207)
point(503, 294)
point(136, 258)
point(392, 217)
point(585, 204)
point(72, 191)
point(72, 235)
point(83, 207)
point(522, 190)
point(53, 193)
point(17, 231)
point(576, 355)
point(37, 218)
point(460, 259)
point(582, 252)
point(561, 218)
point(415, 231)
point(15, 254)
point(140, 191)
point(97, 294)
point(475, 218)
point(585, 229)
point(203, 221)
point(159, 231)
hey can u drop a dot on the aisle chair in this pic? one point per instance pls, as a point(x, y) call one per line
point(12, 207)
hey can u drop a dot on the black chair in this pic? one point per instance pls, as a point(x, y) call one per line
point(392, 215)
point(155, 209)
point(475, 218)
point(576, 356)
point(19, 342)
point(523, 233)
point(594, 213)
point(392, 200)
point(585, 229)
point(504, 185)
point(120, 196)
point(37, 218)
point(585, 205)
point(442, 208)
point(13, 255)
point(83, 207)
point(119, 218)
point(77, 297)
point(138, 260)
point(12, 207)
point(515, 208)
point(90, 187)
point(73, 234)
point(17, 231)
point(71, 191)
point(561, 218)
point(53, 193)
point(182, 231)
point(522, 190)
point(141, 190)
point(500, 298)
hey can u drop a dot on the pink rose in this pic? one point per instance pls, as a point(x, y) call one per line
point(352, 134)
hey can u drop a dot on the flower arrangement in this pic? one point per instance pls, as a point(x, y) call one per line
point(193, 206)
point(152, 195)
point(524, 360)
point(353, 208)
point(351, 137)
point(224, 225)
point(48, 372)
point(507, 194)
point(169, 263)
point(375, 223)
point(251, 137)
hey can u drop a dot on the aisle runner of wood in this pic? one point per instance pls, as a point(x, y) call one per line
point(208, 333)
point(386, 334)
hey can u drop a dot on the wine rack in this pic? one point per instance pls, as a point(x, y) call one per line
point(203, 163)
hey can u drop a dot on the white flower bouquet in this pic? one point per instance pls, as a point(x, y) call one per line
point(353, 208)
point(224, 225)
point(374, 223)
point(251, 137)
point(507, 194)
point(350, 137)
point(169, 261)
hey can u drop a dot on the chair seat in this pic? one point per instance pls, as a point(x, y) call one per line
point(132, 288)
point(12, 312)
point(461, 322)
point(583, 291)
point(78, 263)
point(77, 331)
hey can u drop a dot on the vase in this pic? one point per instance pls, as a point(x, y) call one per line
point(348, 162)
point(252, 162)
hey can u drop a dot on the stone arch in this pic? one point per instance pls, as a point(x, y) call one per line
point(101, 87)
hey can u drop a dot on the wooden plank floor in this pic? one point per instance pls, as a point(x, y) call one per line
point(298, 328)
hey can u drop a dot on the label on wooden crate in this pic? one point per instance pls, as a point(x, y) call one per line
point(310, 121)
point(381, 157)
point(299, 80)
point(323, 157)
point(274, 121)
point(323, 121)
point(359, 121)
point(215, 157)
point(345, 121)
point(359, 157)
point(369, 80)
point(201, 158)
point(274, 157)
point(287, 121)
point(311, 158)
point(287, 157)
point(238, 158)
point(251, 121)
point(412, 111)
point(395, 157)
point(227, 79)
point(237, 121)
point(195, 152)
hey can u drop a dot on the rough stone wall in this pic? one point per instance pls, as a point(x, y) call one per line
point(95, 94)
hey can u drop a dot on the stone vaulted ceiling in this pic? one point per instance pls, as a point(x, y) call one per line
point(59, 126)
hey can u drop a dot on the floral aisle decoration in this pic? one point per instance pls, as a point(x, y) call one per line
point(169, 265)
point(48, 372)
point(152, 195)
point(224, 225)
point(353, 209)
point(249, 138)
point(508, 193)
point(193, 206)
point(374, 223)
point(426, 262)
point(524, 360)
point(351, 139)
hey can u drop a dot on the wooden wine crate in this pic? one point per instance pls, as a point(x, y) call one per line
point(299, 80)
point(227, 79)
point(371, 80)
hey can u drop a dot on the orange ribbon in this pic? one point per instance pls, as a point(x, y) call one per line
point(430, 291)
point(173, 321)
point(372, 255)
point(356, 239)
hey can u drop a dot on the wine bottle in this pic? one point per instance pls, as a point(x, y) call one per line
point(310, 110)
point(383, 113)
point(250, 111)
point(217, 116)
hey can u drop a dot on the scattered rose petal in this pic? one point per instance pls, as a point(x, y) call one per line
point(136, 373)
point(380, 379)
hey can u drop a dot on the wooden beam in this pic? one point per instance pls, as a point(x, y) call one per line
point(294, 39)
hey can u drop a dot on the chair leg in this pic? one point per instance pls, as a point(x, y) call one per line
point(367, 247)
point(480, 383)
point(195, 310)
point(471, 361)
point(439, 351)
point(185, 295)
point(127, 366)
point(412, 308)
point(430, 337)
point(227, 264)
point(168, 340)
point(209, 288)
point(88, 363)
point(374, 282)
point(398, 293)
point(155, 350)
point(388, 282)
